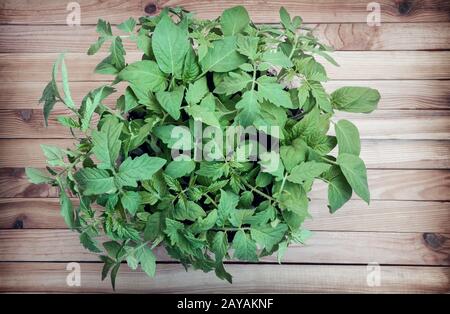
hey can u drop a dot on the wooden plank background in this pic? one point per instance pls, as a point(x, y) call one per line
point(405, 144)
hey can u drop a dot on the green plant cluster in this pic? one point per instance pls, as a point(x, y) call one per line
point(223, 72)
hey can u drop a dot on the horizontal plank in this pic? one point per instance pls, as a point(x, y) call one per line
point(408, 94)
point(173, 278)
point(347, 36)
point(354, 65)
point(386, 124)
point(411, 184)
point(336, 11)
point(322, 247)
point(381, 216)
point(394, 154)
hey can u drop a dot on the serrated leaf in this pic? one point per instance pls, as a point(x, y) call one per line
point(268, 236)
point(138, 169)
point(271, 90)
point(106, 143)
point(197, 91)
point(249, 108)
point(131, 201)
point(307, 171)
point(94, 181)
point(36, 176)
point(277, 58)
point(244, 247)
point(233, 83)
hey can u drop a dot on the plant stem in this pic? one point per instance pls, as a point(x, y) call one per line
point(330, 161)
point(254, 189)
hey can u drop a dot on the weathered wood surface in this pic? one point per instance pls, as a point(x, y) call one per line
point(396, 95)
point(341, 36)
point(405, 145)
point(323, 11)
point(265, 278)
point(391, 184)
point(354, 65)
point(325, 246)
point(380, 216)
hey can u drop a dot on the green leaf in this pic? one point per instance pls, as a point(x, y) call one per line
point(213, 170)
point(204, 224)
point(171, 101)
point(147, 260)
point(90, 106)
point(94, 181)
point(188, 211)
point(307, 171)
point(49, 99)
point(138, 169)
point(347, 135)
point(271, 90)
point(339, 191)
point(131, 100)
point(248, 46)
point(294, 198)
point(355, 172)
point(321, 97)
point(249, 108)
point(197, 91)
point(89, 243)
point(180, 168)
point(203, 115)
point(170, 45)
point(144, 76)
point(293, 154)
point(227, 204)
point(222, 57)
point(127, 26)
point(234, 20)
point(219, 245)
point(154, 226)
point(233, 83)
point(131, 201)
point(68, 101)
point(106, 143)
point(67, 209)
point(244, 247)
point(267, 236)
point(277, 58)
point(117, 51)
point(36, 176)
point(55, 155)
point(355, 99)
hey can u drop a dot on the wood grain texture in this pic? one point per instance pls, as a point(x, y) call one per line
point(388, 36)
point(323, 247)
point(388, 124)
point(354, 65)
point(336, 11)
point(412, 184)
point(408, 94)
point(381, 216)
point(393, 154)
point(172, 278)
